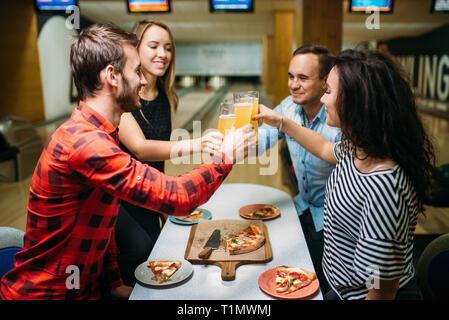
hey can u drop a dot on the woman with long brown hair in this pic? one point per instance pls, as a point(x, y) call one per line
point(145, 135)
point(375, 193)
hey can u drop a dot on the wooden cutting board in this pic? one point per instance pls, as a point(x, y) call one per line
point(200, 233)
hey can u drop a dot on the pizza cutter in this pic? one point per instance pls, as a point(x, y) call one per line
point(212, 244)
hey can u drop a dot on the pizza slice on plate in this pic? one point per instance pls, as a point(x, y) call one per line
point(250, 239)
point(266, 212)
point(290, 279)
point(163, 270)
point(192, 217)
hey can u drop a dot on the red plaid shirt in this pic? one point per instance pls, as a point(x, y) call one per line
point(74, 198)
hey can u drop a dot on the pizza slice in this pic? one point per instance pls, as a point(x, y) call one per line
point(192, 217)
point(249, 239)
point(163, 270)
point(290, 279)
point(266, 212)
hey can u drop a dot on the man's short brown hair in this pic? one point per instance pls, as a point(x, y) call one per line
point(95, 48)
point(324, 57)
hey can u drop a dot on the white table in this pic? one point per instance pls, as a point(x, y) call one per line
point(286, 238)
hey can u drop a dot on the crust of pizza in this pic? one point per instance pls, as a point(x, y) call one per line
point(265, 212)
point(286, 269)
point(163, 270)
point(248, 240)
point(164, 263)
point(191, 217)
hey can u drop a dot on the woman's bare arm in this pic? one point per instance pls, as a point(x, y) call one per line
point(131, 135)
point(307, 138)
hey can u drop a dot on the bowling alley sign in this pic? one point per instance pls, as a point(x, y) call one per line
point(425, 60)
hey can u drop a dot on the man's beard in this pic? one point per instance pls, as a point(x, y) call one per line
point(128, 99)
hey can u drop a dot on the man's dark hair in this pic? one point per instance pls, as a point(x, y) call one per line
point(324, 57)
point(96, 47)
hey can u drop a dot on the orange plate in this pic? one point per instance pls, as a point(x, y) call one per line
point(267, 284)
point(245, 212)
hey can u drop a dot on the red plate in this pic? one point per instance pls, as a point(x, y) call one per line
point(245, 211)
point(267, 283)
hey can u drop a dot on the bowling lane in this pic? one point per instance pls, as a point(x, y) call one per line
point(190, 104)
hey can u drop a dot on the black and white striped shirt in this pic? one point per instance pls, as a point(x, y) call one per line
point(369, 224)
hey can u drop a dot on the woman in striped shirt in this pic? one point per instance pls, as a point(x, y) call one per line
point(376, 191)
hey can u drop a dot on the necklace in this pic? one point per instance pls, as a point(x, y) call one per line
point(145, 118)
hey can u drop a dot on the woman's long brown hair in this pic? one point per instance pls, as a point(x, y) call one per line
point(378, 115)
point(168, 79)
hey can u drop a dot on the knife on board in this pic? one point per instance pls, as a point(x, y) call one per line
point(212, 244)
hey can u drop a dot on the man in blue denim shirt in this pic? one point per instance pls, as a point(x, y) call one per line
point(307, 74)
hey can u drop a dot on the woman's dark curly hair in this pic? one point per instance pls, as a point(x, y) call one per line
point(378, 115)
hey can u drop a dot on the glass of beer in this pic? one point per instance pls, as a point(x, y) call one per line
point(255, 110)
point(226, 118)
point(243, 107)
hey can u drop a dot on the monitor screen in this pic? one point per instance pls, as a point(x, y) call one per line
point(440, 6)
point(231, 5)
point(54, 5)
point(384, 6)
point(149, 6)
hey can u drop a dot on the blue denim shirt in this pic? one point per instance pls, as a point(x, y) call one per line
point(311, 172)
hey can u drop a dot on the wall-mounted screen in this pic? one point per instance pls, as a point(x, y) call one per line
point(441, 6)
point(384, 6)
point(148, 6)
point(231, 5)
point(54, 5)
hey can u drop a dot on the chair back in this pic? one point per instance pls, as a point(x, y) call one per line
point(432, 269)
point(11, 242)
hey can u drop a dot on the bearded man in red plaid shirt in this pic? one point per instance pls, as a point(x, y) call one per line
point(82, 175)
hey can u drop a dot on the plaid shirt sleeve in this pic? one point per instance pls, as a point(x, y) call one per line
point(102, 164)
